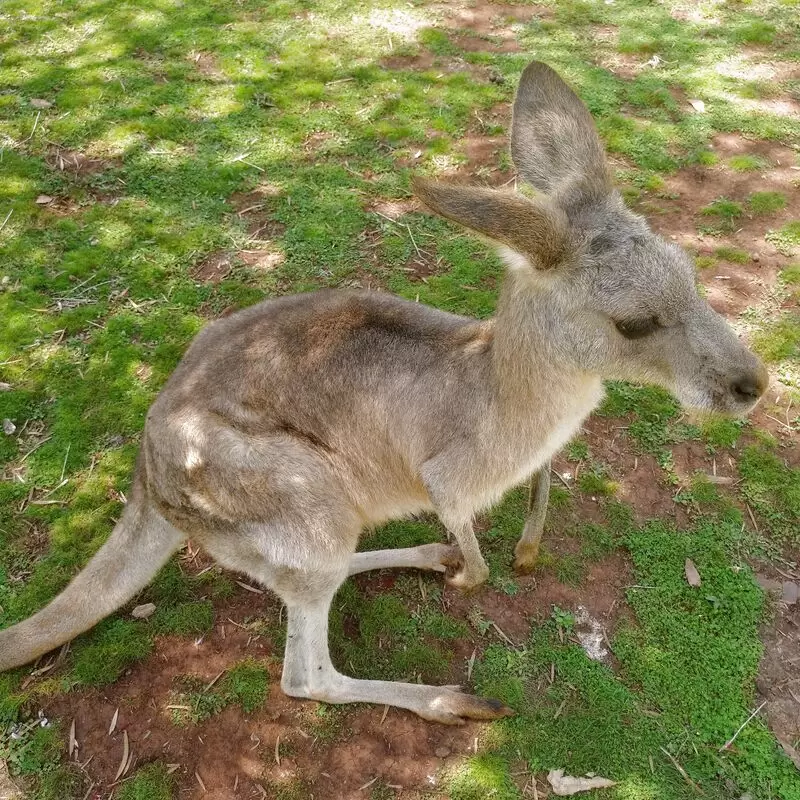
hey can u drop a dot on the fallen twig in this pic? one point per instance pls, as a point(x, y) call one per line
point(681, 770)
point(741, 728)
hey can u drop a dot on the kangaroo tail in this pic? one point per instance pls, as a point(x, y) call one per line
point(138, 547)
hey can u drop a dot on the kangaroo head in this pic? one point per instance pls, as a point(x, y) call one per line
point(609, 295)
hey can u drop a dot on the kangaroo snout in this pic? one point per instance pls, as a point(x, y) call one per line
point(748, 387)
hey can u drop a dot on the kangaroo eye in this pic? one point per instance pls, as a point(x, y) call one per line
point(637, 328)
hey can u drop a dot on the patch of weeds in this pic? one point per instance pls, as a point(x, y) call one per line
point(700, 494)
point(790, 276)
point(578, 450)
point(786, 239)
point(380, 637)
point(569, 569)
point(113, 646)
point(655, 409)
point(718, 431)
point(746, 163)
point(564, 620)
point(626, 398)
point(246, 684)
point(779, 339)
point(151, 782)
point(706, 158)
point(326, 723)
point(732, 254)
point(184, 619)
point(595, 481)
point(773, 490)
point(560, 497)
point(726, 211)
point(597, 541)
point(766, 202)
point(705, 262)
point(293, 788)
point(34, 752)
point(754, 31)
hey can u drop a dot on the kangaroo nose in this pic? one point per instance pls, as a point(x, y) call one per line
point(748, 388)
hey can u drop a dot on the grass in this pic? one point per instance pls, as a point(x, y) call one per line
point(152, 782)
point(185, 107)
point(684, 641)
point(245, 684)
point(786, 239)
point(766, 202)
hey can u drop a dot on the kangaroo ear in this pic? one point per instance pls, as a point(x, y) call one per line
point(536, 229)
point(554, 143)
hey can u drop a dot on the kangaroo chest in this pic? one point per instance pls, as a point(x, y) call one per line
point(540, 437)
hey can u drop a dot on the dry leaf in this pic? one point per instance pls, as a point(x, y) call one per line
point(8, 427)
point(113, 726)
point(73, 743)
point(692, 575)
point(38, 102)
point(565, 785)
point(698, 105)
point(125, 753)
point(5, 387)
point(144, 611)
point(44, 199)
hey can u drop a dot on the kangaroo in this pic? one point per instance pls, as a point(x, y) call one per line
point(290, 426)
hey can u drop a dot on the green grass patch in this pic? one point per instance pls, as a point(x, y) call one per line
point(718, 431)
point(725, 211)
point(185, 619)
point(595, 481)
point(245, 684)
point(773, 490)
point(684, 640)
point(786, 239)
point(746, 163)
point(766, 202)
point(779, 339)
point(151, 782)
point(732, 254)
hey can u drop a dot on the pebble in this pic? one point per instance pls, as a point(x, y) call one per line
point(442, 752)
point(790, 593)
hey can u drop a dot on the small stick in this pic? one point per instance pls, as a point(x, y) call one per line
point(471, 663)
point(367, 784)
point(385, 712)
point(741, 728)
point(35, 125)
point(681, 770)
point(8, 216)
point(213, 681)
point(502, 635)
point(752, 518)
point(250, 588)
point(278, 750)
point(64, 465)
point(200, 780)
point(560, 478)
